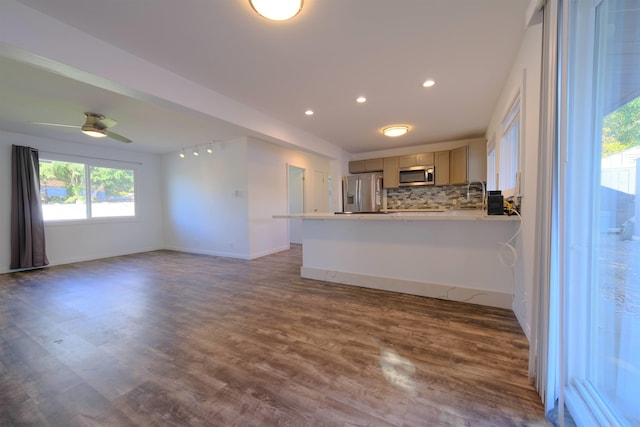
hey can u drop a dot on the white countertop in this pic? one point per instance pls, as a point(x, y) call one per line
point(410, 214)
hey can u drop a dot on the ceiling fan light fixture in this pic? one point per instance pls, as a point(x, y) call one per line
point(94, 132)
point(277, 10)
point(396, 130)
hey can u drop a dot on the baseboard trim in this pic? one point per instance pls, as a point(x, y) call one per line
point(439, 291)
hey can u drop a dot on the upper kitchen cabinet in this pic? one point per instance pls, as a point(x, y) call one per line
point(368, 165)
point(390, 175)
point(441, 163)
point(458, 165)
point(420, 159)
point(477, 166)
point(468, 163)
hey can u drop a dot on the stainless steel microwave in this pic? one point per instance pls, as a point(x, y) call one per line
point(417, 175)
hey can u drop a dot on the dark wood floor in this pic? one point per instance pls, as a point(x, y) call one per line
point(167, 338)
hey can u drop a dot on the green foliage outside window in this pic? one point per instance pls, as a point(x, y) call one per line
point(621, 128)
point(110, 184)
point(61, 176)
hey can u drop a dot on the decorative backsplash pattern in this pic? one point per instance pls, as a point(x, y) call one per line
point(432, 197)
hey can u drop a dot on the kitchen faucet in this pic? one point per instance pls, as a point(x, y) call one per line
point(484, 192)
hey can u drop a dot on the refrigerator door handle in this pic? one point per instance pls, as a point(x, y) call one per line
point(358, 194)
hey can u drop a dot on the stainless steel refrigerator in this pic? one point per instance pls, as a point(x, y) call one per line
point(362, 192)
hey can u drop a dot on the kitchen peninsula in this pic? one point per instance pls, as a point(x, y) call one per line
point(458, 255)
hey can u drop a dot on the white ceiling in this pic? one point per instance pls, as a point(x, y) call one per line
point(332, 52)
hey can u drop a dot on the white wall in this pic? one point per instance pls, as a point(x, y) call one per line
point(267, 172)
point(524, 76)
point(206, 201)
point(84, 240)
point(222, 204)
point(268, 192)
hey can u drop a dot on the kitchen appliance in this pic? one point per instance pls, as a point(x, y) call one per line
point(362, 192)
point(417, 175)
point(495, 203)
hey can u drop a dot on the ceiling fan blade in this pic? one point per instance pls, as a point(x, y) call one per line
point(56, 124)
point(118, 137)
point(108, 123)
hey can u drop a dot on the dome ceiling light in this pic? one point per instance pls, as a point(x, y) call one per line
point(396, 130)
point(93, 131)
point(277, 10)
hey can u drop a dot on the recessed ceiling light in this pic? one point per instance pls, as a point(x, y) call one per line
point(361, 99)
point(309, 112)
point(279, 10)
point(396, 130)
point(428, 83)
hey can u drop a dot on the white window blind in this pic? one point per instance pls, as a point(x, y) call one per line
point(509, 151)
point(492, 164)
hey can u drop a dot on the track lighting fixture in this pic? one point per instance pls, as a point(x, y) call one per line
point(195, 150)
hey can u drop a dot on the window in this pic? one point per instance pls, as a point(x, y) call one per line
point(64, 187)
point(509, 151)
point(492, 171)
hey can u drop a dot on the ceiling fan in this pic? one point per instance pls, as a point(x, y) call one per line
point(95, 125)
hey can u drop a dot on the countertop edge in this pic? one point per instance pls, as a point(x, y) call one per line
point(422, 216)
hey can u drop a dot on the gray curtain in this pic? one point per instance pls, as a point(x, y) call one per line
point(27, 225)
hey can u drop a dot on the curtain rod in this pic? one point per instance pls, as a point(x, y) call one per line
point(90, 157)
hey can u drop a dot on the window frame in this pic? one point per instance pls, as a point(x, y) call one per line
point(578, 224)
point(492, 164)
point(95, 162)
point(513, 113)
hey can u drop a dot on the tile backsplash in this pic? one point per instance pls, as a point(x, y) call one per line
point(432, 197)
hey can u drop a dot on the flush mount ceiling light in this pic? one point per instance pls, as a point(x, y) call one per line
point(361, 99)
point(397, 130)
point(181, 154)
point(428, 83)
point(277, 10)
point(309, 112)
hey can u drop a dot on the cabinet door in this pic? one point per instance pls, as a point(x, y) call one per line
point(458, 166)
point(373, 165)
point(407, 161)
point(424, 159)
point(390, 177)
point(477, 161)
point(357, 166)
point(441, 163)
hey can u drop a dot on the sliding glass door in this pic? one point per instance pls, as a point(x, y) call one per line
point(599, 229)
